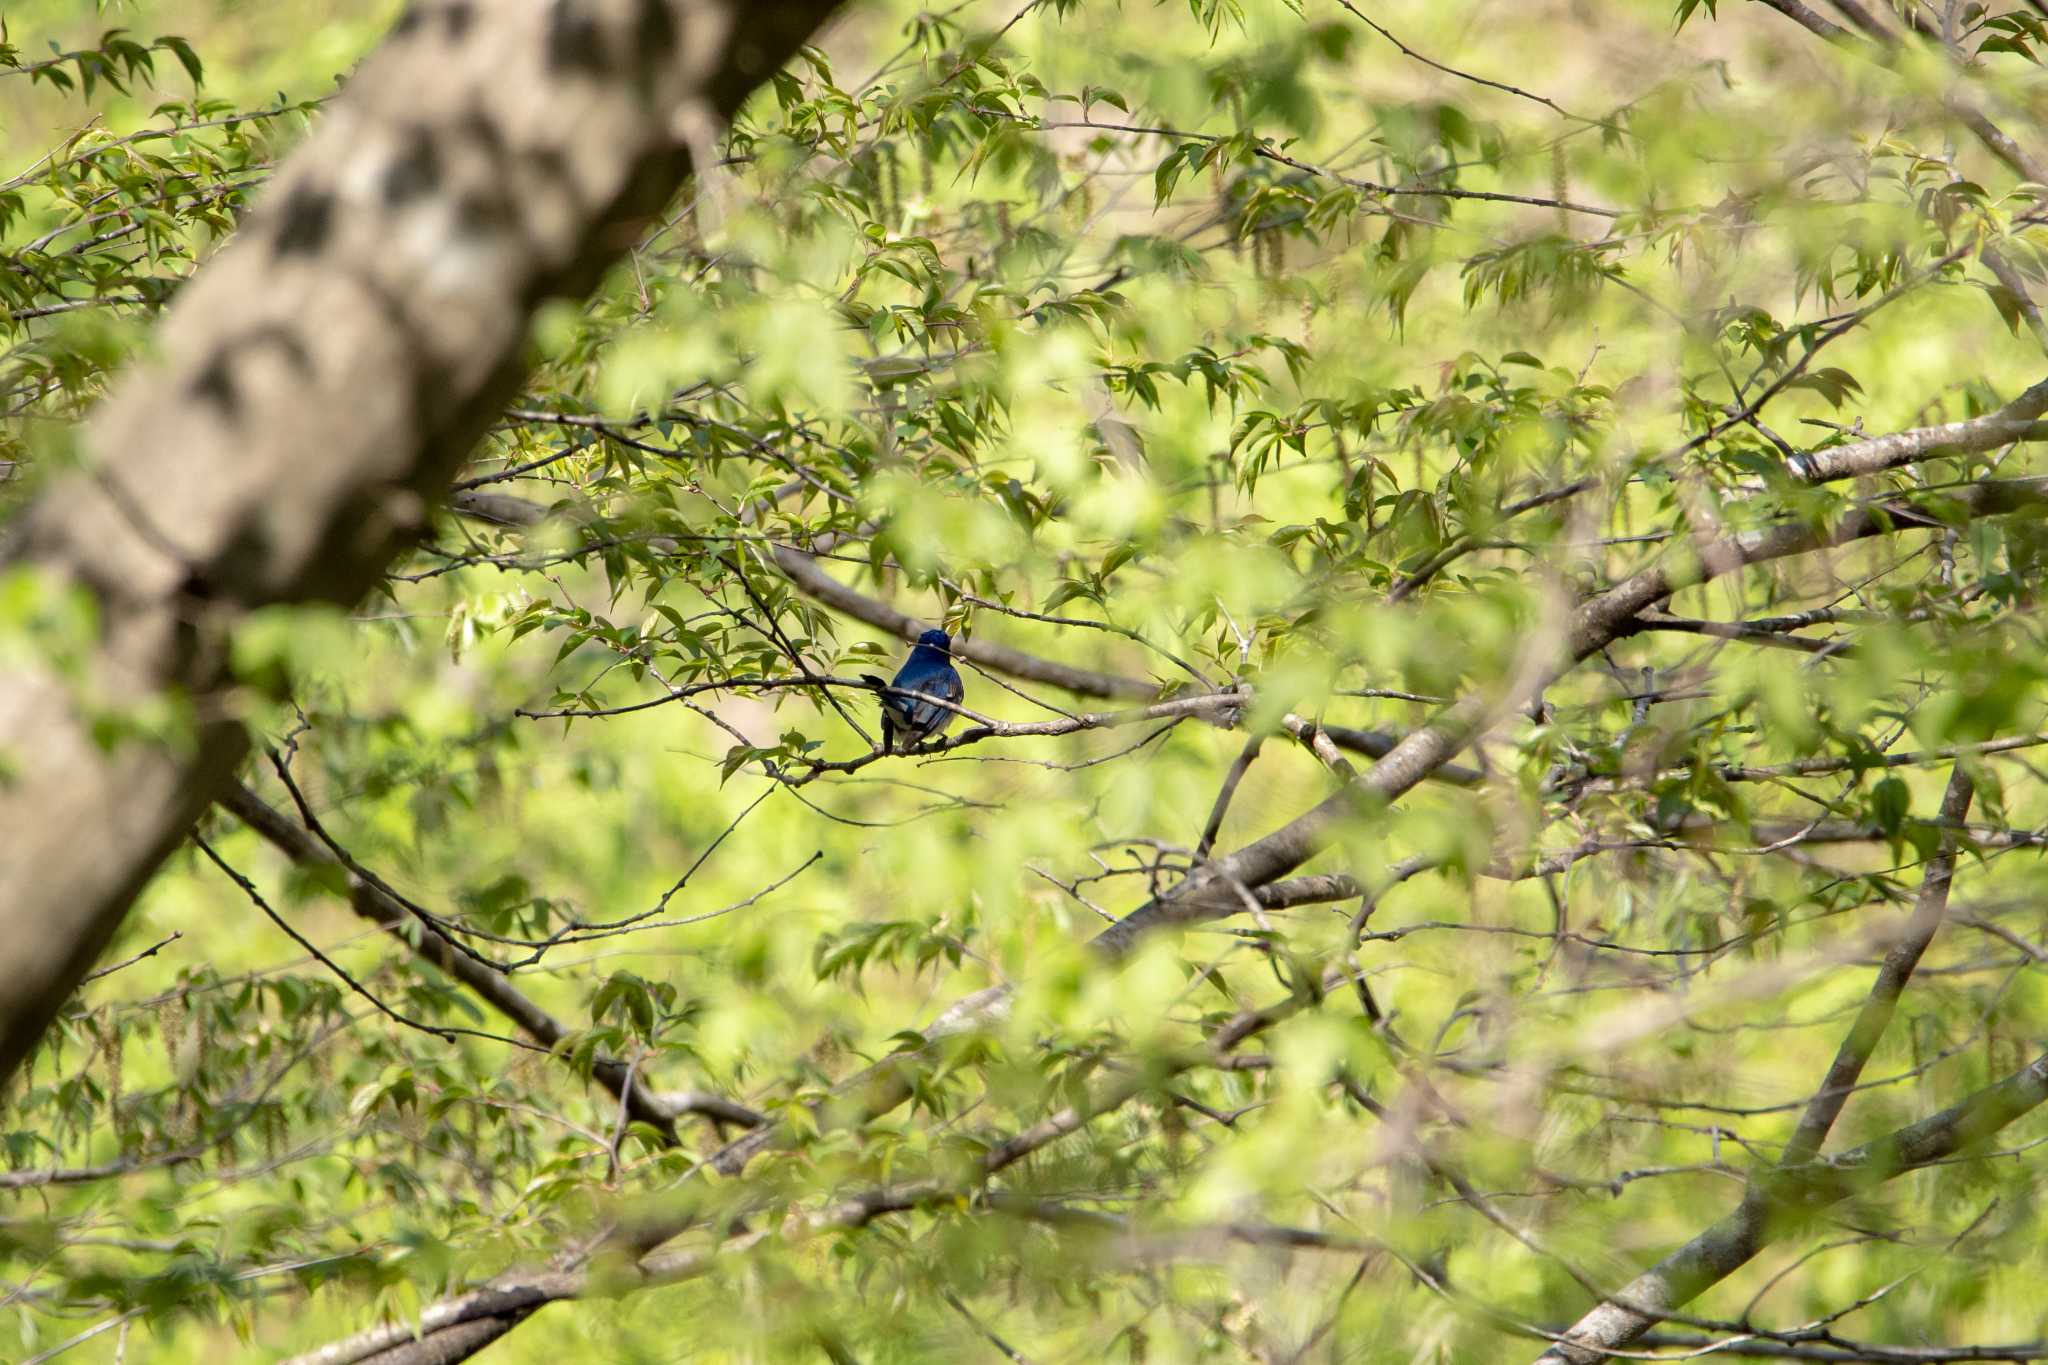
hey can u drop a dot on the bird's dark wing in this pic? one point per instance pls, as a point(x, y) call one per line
point(926, 719)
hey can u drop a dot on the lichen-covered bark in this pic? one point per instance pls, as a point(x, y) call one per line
point(317, 383)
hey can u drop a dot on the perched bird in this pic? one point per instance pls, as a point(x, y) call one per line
point(906, 721)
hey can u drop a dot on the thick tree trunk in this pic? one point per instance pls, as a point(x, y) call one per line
point(318, 382)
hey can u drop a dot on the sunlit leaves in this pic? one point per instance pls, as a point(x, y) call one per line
point(1210, 347)
point(116, 61)
point(1562, 272)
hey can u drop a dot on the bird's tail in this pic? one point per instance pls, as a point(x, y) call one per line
point(889, 707)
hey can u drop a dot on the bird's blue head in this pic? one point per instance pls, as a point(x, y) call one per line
point(935, 639)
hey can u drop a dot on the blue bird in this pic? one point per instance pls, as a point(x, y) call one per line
point(906, 721)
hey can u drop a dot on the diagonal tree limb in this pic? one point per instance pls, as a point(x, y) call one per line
point(1221, 806)
point(1930, 908)
point(1628, 1315)
point(803, 571)
point(1780, 1199)
point(1599, 620)
point(1814, 22)
point(322, 376)
point(2016, 421)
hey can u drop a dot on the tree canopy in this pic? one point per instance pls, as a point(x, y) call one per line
point(1492, 552)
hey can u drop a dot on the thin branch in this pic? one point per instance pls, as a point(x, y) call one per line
point(1502, 86)
point(1214, 824)
point(445, 1034)
point(151, 951)
point(1846, 1354)
point(1813, 22)
point(87, 1175)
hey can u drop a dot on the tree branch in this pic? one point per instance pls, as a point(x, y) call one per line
point(2013, 422)
point(1892, 975)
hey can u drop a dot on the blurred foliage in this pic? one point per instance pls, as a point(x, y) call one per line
point(1327, 352)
